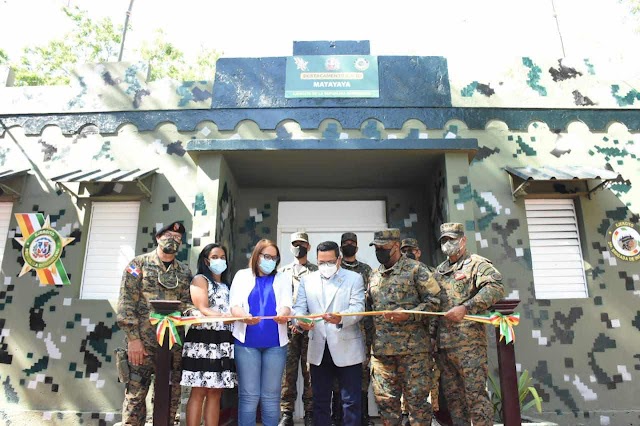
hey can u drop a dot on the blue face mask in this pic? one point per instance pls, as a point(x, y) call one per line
point(217, 266)
point(267, 266)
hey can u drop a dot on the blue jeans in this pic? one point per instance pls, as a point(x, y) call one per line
point(259, 380)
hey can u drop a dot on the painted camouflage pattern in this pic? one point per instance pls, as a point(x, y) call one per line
point(581, 352)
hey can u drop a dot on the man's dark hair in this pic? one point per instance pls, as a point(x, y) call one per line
point(328, 246)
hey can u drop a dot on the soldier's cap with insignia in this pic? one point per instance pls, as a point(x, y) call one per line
point(173, 227)
point(348, 236)
point(299, 236)
point(451, 229)
point(381, 238)
point(409, 242)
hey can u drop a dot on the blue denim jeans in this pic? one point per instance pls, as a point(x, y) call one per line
point(259, 380)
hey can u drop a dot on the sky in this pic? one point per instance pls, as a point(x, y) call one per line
point(253, 28)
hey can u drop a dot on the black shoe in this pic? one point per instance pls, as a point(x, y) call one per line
point(405, 420)
point(308, 418)
point(286, 419)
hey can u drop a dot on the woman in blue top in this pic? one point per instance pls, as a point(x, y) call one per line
point(260, 346)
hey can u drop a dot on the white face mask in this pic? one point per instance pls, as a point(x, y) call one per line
point(327, 270)
point(451, 247)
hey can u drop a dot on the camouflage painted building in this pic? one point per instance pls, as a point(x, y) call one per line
point(535, 156)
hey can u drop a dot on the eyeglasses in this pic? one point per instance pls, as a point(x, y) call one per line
point(269, 257)
point(330, 263)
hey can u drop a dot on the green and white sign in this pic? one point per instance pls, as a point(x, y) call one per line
point(338, 76)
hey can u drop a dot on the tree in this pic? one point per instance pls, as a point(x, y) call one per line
point(4, 58)
point(89, 41)
point(92, 41)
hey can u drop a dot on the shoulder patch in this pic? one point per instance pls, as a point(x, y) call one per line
point(132, 269)
point(497, 276)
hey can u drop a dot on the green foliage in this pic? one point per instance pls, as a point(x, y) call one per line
point(4, 58)
point(95, 41)
point(89, 41)
point(167, 61)
point(527, 394)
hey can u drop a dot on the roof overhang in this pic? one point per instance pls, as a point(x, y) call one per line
point(585, 179)
point(108, 184)
point(12, 183)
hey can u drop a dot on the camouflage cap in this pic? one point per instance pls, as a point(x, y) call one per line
point(409, 242)
point(451, 229)
point(381, 238)
point(348, 236)
point(299, 236)
point(173, 227)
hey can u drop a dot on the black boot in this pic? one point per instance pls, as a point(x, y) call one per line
point(366, 421)
point(308, 418)
point(405, 419)
point(286, 419)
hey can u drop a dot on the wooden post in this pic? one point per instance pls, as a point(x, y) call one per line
point(507, 369)
point(162, 383)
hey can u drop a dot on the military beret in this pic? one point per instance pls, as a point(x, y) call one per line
point(381, 238)
point(173, 227)
point(299, 236)
point(451, 229)
point(409, 242)
point(348, 236)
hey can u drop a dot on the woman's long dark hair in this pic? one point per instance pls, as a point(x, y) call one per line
point(203, 265)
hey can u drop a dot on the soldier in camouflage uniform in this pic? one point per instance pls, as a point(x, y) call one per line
point(469, 284)
point(349, 248)
point(152, 276)
point(401, 361)
point(298, 340)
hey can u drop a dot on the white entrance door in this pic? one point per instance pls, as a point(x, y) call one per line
point(327, 221)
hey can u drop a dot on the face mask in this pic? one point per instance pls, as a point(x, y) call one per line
point(217, 266)
point(267, 266)
point(451, 247)
point(169, 245)
point(299, 252)
point(410, 255)
point(383, 255)
point(327, 270)
point(349, 250)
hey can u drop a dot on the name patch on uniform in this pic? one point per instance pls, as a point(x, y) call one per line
point(133, 270)
point(459, 276)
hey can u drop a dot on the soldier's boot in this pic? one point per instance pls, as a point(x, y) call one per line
point(308, 418)
point(366, 420)
point(286, 419)
point(405, 420)
point(336, 410)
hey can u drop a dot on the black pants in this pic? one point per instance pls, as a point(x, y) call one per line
point(350, 382)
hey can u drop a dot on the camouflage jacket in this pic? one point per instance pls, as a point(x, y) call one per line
point(365, 271)
point(290, 270)
point(473, 282)
point(146, 279)
point(406, 285)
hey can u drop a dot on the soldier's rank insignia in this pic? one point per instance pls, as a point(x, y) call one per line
point(459, 276)
point(458, 286)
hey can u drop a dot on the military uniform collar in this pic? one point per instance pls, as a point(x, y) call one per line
point(395, 268)
point(351, 265)
point(156, 259)
point(446, 267)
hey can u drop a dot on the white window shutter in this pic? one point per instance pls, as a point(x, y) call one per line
point(110, 247)
point(556, 254)
point(5, 218)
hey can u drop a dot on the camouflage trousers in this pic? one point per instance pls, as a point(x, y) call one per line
point(296, 355)
point(408, 375)
point(463, 372)
point(134, 407)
